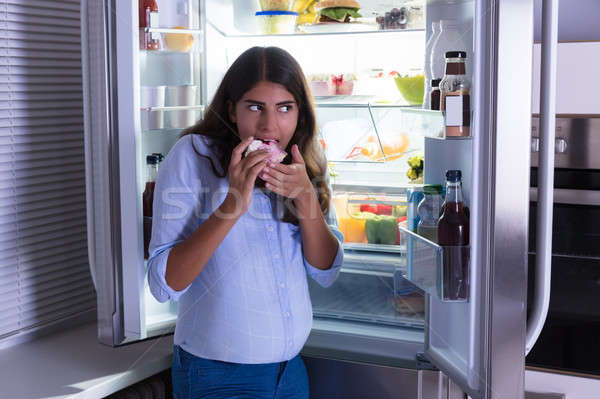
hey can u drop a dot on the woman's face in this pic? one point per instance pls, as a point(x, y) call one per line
point(266, 111)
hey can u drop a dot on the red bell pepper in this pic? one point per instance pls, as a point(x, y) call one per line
point(378, 209)
point(383, 209)
point(369, 208)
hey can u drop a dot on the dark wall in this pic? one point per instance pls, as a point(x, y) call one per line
point(577, 20)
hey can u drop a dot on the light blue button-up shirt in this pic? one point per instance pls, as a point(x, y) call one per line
point(250, 303)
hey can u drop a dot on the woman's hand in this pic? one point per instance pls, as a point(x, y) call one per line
point(291, 181)
point(242, 176)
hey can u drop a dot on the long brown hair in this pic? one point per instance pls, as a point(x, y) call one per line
point(274, 65)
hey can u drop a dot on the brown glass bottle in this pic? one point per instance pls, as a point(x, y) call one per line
point(453, 237)
point(435, 94)
point(456, 100)
point(152, 162)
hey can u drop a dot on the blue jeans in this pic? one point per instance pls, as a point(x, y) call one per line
point(195, 377)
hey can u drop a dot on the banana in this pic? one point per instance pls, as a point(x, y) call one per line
point(307, 13)
point(307, 18)
point(301, 6)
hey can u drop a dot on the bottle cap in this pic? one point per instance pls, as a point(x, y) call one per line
point(432, 189)
point(435, 82)
point(160, 156)
point(456, 54)
point(453, 176)
point(152, 159)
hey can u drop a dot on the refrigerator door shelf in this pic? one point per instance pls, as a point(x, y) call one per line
point(175, 40)
point(174, 108)
point(160, 118)
point(175, 31)
point(442, 272)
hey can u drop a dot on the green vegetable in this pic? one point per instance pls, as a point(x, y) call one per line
point(399, 210)
point(339, 13)
point(416, 167)
point(381, 229)
point(416, 162)
point(412, 174)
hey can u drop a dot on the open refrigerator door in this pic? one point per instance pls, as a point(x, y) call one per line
point(143, 84)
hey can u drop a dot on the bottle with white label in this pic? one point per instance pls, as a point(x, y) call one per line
point(456, 100)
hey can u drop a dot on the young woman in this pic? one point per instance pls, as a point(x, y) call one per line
point(234, 235)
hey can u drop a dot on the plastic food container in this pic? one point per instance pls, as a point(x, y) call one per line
point(276, 5)
point(319, 85)
point(275, 22)
point(320, 88)
point(342, 85)
point(181, 42)
point(181, 95)
point(152, 96)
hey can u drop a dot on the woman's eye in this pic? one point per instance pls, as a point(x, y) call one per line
point(255, 107)
point(285, 108)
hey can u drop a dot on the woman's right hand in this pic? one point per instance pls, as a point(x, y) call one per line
point(242, 177)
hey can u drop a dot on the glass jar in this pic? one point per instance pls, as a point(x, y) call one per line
point(449, 39)
point(455, 100)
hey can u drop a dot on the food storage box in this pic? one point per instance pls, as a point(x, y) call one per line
point(277, 22)
point(276, 5)
point(369, 219)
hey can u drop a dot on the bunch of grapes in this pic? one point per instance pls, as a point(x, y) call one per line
point(394, 19)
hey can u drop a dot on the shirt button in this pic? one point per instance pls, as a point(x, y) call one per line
point(287, 314)
point(281, 285)
point(275, 256)
point(290, 342)
point(270, 228)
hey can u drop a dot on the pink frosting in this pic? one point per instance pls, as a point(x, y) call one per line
point(277, 154)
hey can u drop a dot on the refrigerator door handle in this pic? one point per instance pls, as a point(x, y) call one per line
point(541, 297)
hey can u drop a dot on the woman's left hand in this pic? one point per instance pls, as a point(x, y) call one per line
point(290, 181)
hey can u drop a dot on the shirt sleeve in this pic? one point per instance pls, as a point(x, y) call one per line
point(327, 277)
point(177, 199)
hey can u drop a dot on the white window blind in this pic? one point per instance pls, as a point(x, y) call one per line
point(44, 270)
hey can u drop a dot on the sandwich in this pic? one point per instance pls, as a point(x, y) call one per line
point(271, 145)
point(337, 10)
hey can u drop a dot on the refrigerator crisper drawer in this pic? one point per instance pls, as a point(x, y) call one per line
point(370, 295)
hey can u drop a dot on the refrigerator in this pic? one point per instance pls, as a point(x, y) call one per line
point(386, 327)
